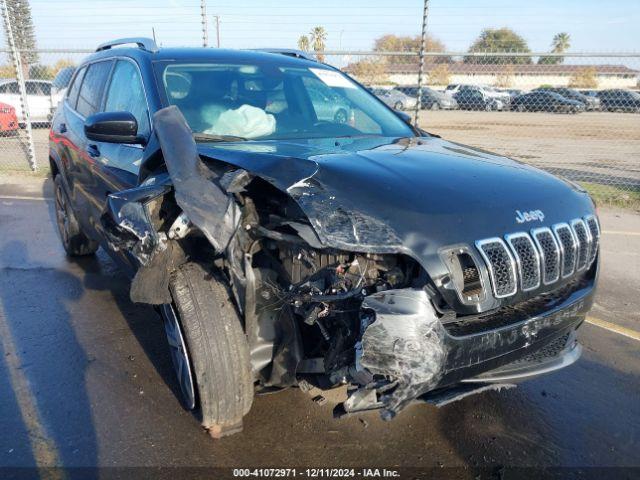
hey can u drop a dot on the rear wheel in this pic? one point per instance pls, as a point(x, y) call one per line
point(209, 349)
point(74, 241)
point(520, 108)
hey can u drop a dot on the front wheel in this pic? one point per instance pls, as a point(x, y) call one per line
point(399, 106)
point(209, 349)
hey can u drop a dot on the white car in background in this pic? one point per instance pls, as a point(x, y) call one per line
point(38, 99)
point(395, 98)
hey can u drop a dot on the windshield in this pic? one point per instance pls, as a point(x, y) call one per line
point(269, 101)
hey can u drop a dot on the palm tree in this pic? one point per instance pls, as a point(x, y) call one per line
point(303, 43)
point(561, 42)
point(317, 37)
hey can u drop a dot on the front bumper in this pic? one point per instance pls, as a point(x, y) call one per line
point(407, 342)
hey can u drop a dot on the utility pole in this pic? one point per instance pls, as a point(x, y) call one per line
point(17, 65)
point(217, 18)
point(203, 14)
point(423, 48)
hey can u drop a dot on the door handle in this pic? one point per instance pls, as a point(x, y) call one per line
point(62, 128)
point(93, 151)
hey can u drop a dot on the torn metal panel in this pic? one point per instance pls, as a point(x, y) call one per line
point(197, 189)
point(406, 342)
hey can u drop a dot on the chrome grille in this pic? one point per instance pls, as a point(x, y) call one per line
point(583, 237)
point(501, 265)
point(527, 260)
point(594, 230)
point(549, 254)
point(568, 247)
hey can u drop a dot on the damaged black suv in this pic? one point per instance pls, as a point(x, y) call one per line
point(293, 230)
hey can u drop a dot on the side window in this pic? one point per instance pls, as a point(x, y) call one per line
point(11, 87)
point(92, 87)
point(72, 95)
point(126, 94)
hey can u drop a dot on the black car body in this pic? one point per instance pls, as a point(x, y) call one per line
point(473, 98)
point(545, 101)
point(407, 266)
point(590, 102)
point(619, 100)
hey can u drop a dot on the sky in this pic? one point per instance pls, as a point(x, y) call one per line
point(594, 25)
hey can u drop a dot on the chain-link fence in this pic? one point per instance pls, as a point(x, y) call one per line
point(577, 115)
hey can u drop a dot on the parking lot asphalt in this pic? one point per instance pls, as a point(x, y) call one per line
point(86, 380)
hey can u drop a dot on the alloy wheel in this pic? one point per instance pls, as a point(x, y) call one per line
point(179, 355)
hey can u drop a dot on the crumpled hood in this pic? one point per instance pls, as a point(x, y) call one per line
point(409, 195)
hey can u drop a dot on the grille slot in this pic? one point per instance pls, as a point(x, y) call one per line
point(549, 254)
point(594, 230)
point(501, 265)
point(583, 238)
point(568, 248)
point(527, 259)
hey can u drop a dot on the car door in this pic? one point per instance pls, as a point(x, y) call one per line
point(86, 156)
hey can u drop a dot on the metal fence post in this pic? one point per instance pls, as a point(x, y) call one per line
point(423, 47)
point(17, 64)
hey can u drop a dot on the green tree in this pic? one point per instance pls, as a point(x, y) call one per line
point(500, 40)
point(317, 38)
point(586, 77)
point(303, 43)
point(19, 12)
point(394, 43)
point(560, 44)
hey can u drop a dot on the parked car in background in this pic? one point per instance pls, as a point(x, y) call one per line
point(38, 99)
point(473, 98)
point(589, 102)
point(491, 92)
point(8, 120)
point(502, 95)
point(395, 98)
point(514, 92)
point(59, 86)
point(619, 100)
point(545, 101)
point(431, 99)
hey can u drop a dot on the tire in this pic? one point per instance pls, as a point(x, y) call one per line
point(217, 348)
point(398, 106)
point(520, 108)
point(340, 116)
point(74, 241)
point(488, 107)
point(435, 106)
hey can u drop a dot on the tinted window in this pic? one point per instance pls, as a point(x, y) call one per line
point(72, 96)
point(92, 87)
point(126, 94)
point(9, 88)
point(38, 88)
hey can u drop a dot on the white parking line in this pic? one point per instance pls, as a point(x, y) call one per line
point(22, 197)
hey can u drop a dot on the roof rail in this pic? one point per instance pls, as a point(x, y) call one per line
point(142, 42)
point(289, 52)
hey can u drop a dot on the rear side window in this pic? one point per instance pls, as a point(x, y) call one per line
point(92, 87)
point(72, 96)
point(126, 94)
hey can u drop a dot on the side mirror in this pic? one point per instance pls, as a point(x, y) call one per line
point(404, 116)
point(112, 127)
